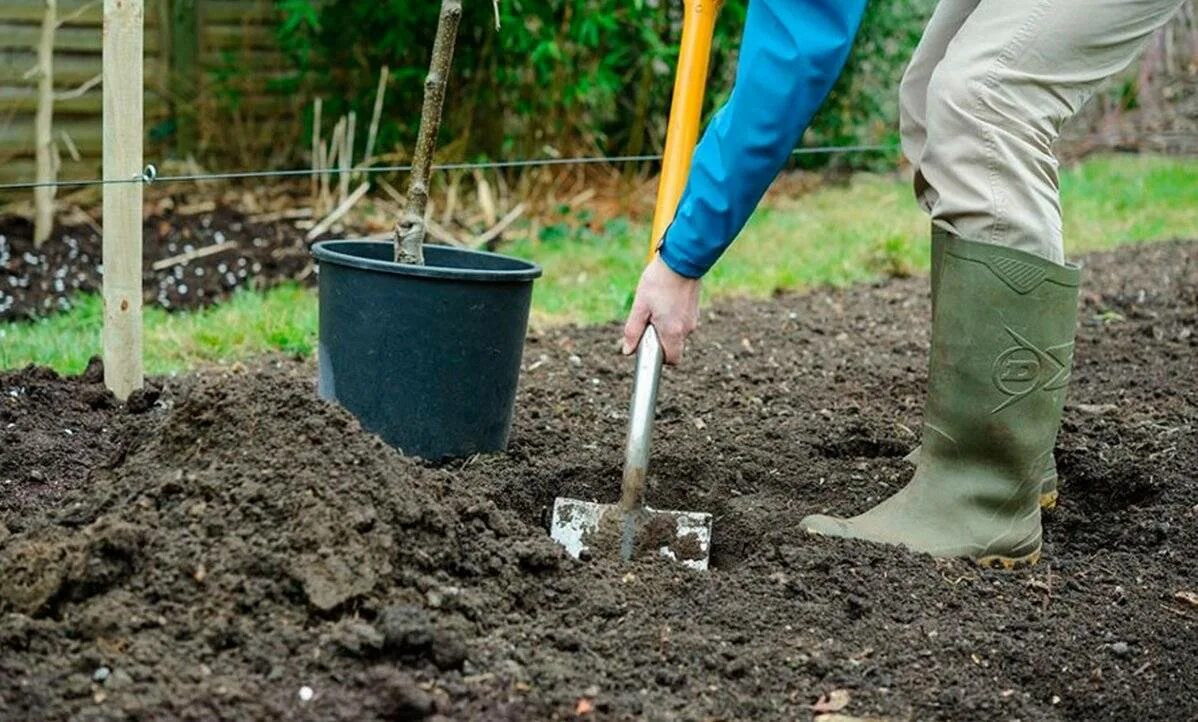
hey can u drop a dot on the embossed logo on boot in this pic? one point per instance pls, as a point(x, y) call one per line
point(1024, 369)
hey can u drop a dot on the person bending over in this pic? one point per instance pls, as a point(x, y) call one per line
point(982, 100)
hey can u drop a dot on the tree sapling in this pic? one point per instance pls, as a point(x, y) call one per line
point(410, 229)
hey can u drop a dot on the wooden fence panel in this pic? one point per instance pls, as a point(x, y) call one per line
point(238, 33)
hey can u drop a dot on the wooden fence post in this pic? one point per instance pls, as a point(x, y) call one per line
point(123, 132)
point(184, 74)
point(43, 128)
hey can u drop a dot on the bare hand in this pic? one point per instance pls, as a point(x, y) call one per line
point(670, 303)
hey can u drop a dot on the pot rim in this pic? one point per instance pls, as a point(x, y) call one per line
point(334, 251)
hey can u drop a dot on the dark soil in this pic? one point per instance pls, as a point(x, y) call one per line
point(55, 430)
point(238, 549)
point(37, 281)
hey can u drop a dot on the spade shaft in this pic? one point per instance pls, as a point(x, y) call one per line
point(684, 536)
point(682, 132)
point(649, 359)
point(640, 426)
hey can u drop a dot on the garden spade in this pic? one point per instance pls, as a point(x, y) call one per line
point(629, 527)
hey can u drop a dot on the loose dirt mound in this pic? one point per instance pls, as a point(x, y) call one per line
point(243, 550)
point(54, 430)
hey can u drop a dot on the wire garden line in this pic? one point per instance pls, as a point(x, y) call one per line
point(150, 173)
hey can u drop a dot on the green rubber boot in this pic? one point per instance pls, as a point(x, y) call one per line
point(1002, 349)
point(1049, 479)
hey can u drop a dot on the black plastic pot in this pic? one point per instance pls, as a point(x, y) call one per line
point(427, 357)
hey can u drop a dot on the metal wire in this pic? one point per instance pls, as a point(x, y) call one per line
point(150, 174)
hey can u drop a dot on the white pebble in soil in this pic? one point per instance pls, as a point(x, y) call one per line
point(306, 693)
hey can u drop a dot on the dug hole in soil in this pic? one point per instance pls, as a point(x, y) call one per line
point(227, 546)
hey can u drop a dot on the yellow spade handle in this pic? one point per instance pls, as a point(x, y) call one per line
point(698, 26)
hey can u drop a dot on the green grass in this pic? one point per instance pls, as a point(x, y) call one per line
point(281, 319)
point(871, 227)
point(834, 236)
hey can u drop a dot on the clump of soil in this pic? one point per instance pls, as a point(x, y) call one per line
point(252, 553)
point(249, 525)
point(54, 430)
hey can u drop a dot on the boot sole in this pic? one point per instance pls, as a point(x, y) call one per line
point(996, 561)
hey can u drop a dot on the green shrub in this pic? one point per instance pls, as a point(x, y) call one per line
point(563, 76)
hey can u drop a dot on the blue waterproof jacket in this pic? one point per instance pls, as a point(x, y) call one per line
point(791, 54)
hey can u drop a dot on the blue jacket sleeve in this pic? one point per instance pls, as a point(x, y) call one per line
point(791, 54)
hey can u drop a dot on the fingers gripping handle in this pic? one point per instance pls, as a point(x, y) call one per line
point(649, 357)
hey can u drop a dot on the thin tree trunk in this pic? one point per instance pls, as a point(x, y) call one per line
point(43, 196)
point(347, 155)
point(317, 159)
point(410, 230)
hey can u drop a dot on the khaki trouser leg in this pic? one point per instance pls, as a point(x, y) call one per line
point(985, 96)
point(946, 20)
